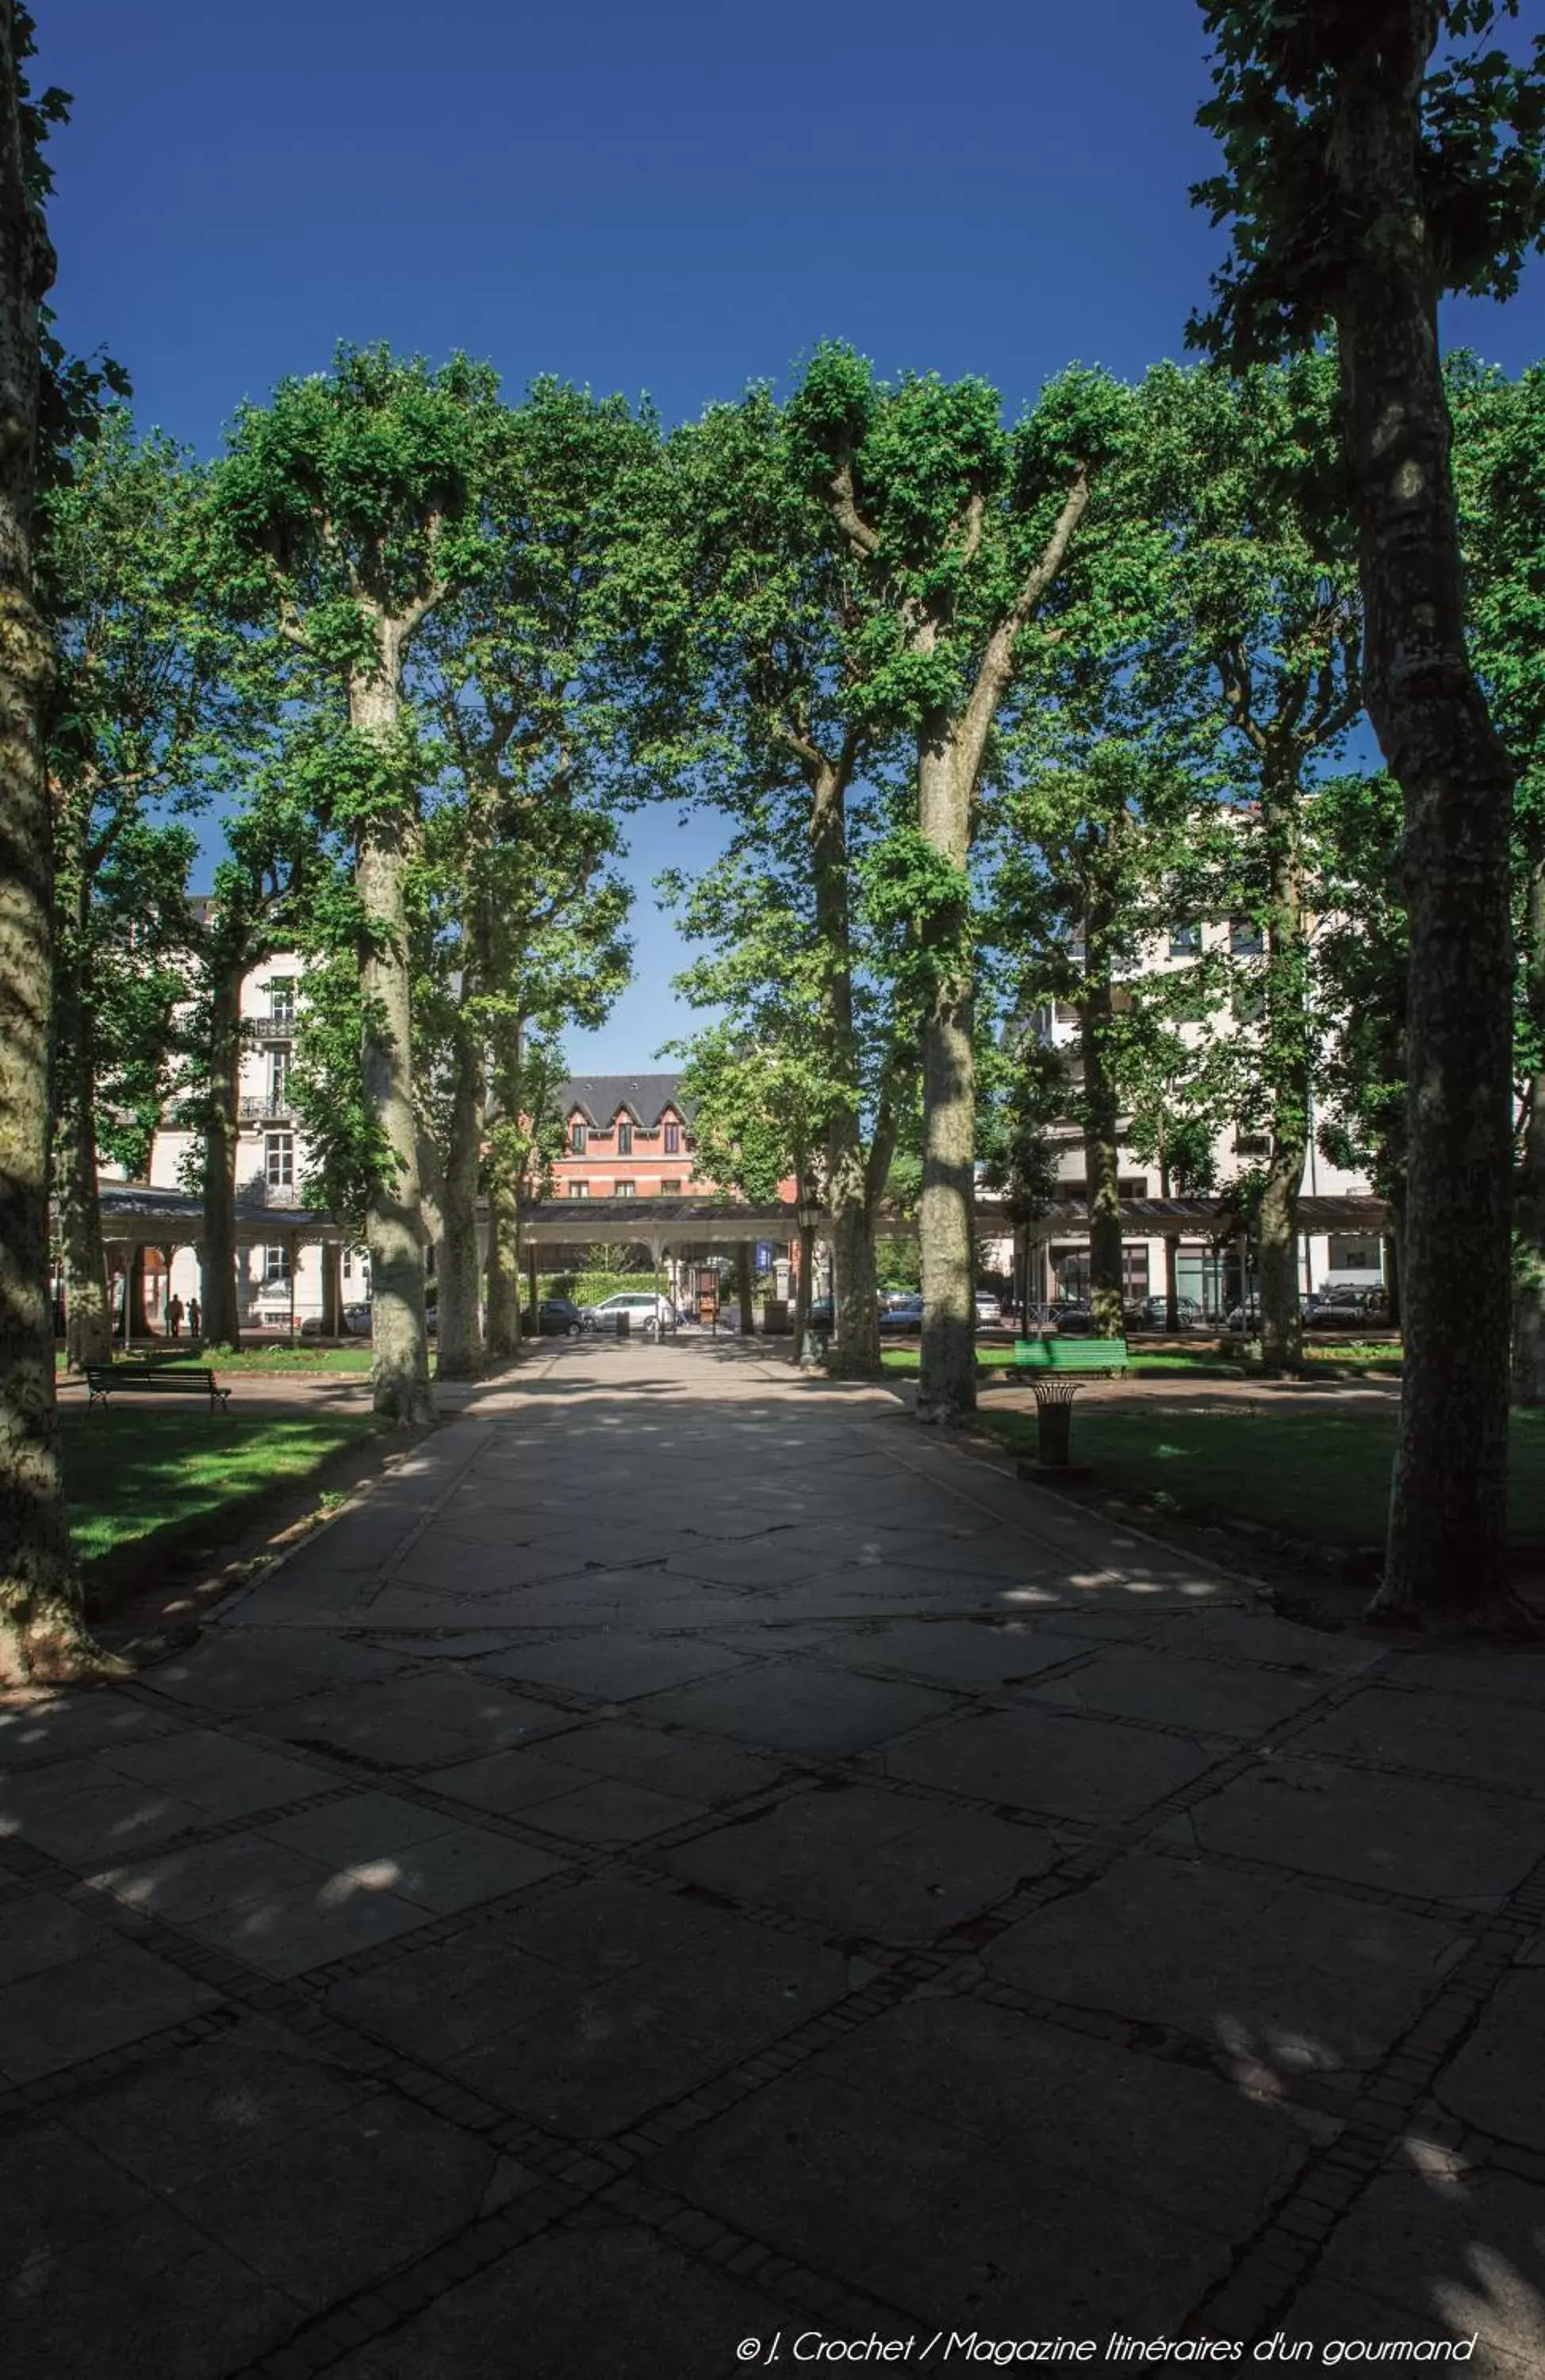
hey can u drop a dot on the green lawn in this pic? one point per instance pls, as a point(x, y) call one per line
point(1199, 1363)
point(182, 1478)
point(1321, 1477)
point(355, 1357)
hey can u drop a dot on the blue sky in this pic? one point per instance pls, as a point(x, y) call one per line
point(676, 200)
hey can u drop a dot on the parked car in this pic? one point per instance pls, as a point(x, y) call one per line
point(1245, 1316)
point(647, 1313)
point(556, 1317)
point(354, 1322)
point(989, 1306)
point(1072, 1316)
point(1346, 1309)
point(902, 1315)
point(1151, 1314)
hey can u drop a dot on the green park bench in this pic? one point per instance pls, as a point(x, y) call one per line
point(104, 1380)
point(1070, 1354)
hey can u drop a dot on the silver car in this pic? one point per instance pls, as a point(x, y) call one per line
point(641, 1310)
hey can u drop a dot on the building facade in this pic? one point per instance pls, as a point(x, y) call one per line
point(1354, 1258)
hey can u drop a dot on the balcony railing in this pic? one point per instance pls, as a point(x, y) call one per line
point(270, 1028)
point(266, 1107)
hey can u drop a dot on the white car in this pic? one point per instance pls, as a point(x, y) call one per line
point(646, 1315)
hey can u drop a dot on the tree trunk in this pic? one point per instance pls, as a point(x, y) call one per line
point(1101, 1128)
point(332, 1289)
point(855, 1350)
point(1447, 1559)
point(462, 1354)
point(42, 1631)
point(393, 1220)
point(1287, 1069)
point(217, 1274)
point(745, 1291)
point(946, 1384)
point(503, 1273)
point(802, 1289)
point(88, 1315)
point(1529, 1210)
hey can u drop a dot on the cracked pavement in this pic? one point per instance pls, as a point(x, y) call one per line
point(689, 1857)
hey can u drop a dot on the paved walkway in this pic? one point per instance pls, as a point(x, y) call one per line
point(692, 1859)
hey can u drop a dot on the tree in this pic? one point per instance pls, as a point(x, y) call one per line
point(132, 722)
point(962, 530)
point(749, 631)
point(1376, 155)
point(351, 507)
point(525, 914)
point(1263, 652)
point(259, 908)
point(1499, 471)
point(41, 1629)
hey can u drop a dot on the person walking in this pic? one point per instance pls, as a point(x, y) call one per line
point(175, 1315)
point(195, 1317)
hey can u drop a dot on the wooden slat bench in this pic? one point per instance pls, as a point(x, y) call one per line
point(1070, 1356)
point(104, 1380)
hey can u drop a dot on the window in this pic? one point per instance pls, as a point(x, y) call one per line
point(279, 1160)
point(280, 998)
point(1134, 1272)
point(667, 1187)
point(1245, 938)
point(1184, 941)
point(625, 1190)
point(1252, 1144)
point(276, 1268)
point(624, 1138)
point(278, 1076)
point(1132, 1186)
point(1353, 1253)
point(347, 1267)
point(1065, 1013)
point(673, 1139)
point(576, 1137)
point(580, 1190)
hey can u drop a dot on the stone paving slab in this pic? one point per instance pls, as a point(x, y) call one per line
point(1400, 1834)
point(1026, 2178)
point(688, 1856)
point(615, 2303)
point(1051, 1762)
point(1274, 1974)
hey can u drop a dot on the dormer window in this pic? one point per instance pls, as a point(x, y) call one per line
point(576, 1138)
point(672, 1140)
point(624, 1138)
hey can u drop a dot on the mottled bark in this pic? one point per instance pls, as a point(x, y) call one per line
point(1101, 1133)
point(77, 1203)
point(1288, 1052)
point(394, 1220)
point(1446, 1561)
point(946, 1385)
point(855, 1350)
point(503, 1273)
point(745, 1291)
point(42, 1631)
point(217, 1265)
point(1528, 1305)
point(332, 1289)
point(462, 1353)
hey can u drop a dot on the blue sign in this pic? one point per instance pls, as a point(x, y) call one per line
point(764, 1256)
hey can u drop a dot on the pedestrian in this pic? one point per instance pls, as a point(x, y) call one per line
point(195, 1317)
point(175, 1315)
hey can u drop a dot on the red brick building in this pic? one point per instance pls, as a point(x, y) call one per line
point(626, 1136)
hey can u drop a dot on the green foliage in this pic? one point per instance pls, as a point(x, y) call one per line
point(1284, 73)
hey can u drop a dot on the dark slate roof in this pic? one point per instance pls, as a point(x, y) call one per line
point(645, 1097)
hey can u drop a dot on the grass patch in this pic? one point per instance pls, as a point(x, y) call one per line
point(141, 1485)
point(1324, 1477)
point(1202, 1363)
